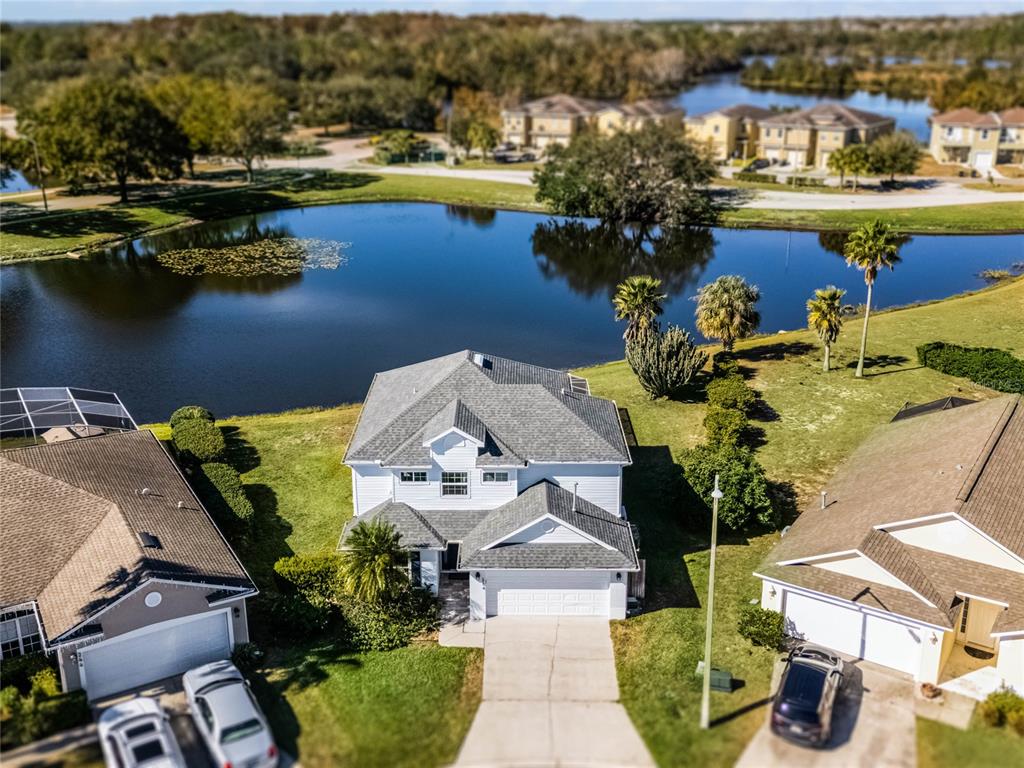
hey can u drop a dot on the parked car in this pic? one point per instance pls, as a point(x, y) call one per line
point(757, 165)
point(228, 718)
point(138, 733)
point(807, 695)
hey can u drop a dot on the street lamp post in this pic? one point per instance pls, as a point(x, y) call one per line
point(705, 701)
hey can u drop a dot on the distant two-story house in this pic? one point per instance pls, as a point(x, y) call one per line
point(914, 559)
point(730, 132)
point(978, 139)
point(501, 472)
point(806, 137)
point(557, 119)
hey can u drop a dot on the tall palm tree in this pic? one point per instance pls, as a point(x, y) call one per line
point(825, 317)
point(371, 564)
point(871, 247)
point(638, 300)
point(725, 310)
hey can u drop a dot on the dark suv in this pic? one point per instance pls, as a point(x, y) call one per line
point(807, 694)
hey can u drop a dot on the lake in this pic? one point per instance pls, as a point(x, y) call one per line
point(417, 280)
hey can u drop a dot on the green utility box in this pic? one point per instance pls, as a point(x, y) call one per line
point(721, 680)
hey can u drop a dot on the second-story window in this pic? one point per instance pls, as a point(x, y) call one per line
point(495, 477)
point(454, 483)
point(984, 133)
point(413, 477)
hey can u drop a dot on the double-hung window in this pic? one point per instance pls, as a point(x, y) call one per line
point(494, 477)
point(412, 477)
point(455, 484)
point(19, 633)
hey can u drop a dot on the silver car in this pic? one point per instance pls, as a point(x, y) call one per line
point(137, 734)
point(228, 718)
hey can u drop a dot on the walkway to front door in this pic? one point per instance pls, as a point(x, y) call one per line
point(551, 697)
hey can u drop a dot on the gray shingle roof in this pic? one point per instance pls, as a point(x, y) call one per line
point(415, 531)
point(535, 502)
point(524, 412)
point(71, 517)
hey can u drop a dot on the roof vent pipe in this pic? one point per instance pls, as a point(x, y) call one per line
point(575, 489)
point(824, 499)
point(144, 492)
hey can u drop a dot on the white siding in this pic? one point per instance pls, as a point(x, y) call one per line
point(481, 495)
point(863, 568)
point(954, 537)
point(1010, 663)
point(600, 484)
point(370, 486)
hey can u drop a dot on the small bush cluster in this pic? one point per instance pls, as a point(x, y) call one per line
point(389, 625)
point(762, 626)
point(993, 368)
point(805, 181)
point(730, 400)
point(19, 671)
point(198, 441)
point(187, 412)
point(225, 495)
point(724, 426)
point(665, 362)
point(40, 711)
point(248, 657)
point(1003, 707)
point(316, 577)
point(760, 178)
point(742, 480)
point(732, 392)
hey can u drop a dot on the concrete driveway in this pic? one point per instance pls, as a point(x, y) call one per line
point(550, 698)
point(873, 725)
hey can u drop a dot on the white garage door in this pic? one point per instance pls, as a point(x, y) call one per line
point(547, 593)
point(983, 161)
point(796, 158)
point(159, 651)
point(883, 641)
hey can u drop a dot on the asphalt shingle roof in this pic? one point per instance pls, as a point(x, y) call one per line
point(827, 115)
point(524, 412)
point(71, 517)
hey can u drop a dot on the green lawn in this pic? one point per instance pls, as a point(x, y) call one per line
point(940, 746)
point(812, 421)
point(974, 218)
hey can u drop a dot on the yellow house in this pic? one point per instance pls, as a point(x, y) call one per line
point(977, 139)
point(550, 120)
point(729, 132)
point(630, 116)
point(805, 138)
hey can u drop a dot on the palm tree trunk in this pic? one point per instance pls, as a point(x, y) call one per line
point(864, 337)
point(828, 354)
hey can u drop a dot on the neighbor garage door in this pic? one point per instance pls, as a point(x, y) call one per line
point(158, 651)
point(983, 161)
point(889, 642)
point(547, 593)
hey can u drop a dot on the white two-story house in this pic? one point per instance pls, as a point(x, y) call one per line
point(914, 558)
point(507, 473)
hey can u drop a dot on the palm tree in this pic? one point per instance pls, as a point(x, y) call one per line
point(870, 247)
point(725, 310)
point(371, 565)
point(825, 317)
point(837, 163)
point(638, 300)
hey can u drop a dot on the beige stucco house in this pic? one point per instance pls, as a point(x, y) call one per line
point(631, 116)
point(978, 139)
point(731, 132)
point(805, 138)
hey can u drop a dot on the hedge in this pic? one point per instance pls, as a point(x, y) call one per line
point(761, 178)
point(1002, 707)
point(762, 626)
point(315, 577)
point(724, 426)
point(993, 368)
point(227, 484)
point(805, 181)
point(189, 412)
point(198, 440)
point(36, 716)
point(731, 391)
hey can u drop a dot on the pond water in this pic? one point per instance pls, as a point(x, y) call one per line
point(724, 89)
point(416, 280)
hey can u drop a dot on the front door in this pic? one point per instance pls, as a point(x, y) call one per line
point(450, 558)
point(976, 622)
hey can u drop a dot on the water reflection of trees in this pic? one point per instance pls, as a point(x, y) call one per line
point(212, 234)
point(834, 241)
point(593, 259)
point(468, 214)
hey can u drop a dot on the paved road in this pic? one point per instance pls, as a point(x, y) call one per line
point(874, 726)
point(550, 698)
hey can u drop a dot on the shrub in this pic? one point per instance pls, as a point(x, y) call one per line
point(316, 577)
point(198, 440)
point(9, 696)
point(226, 494)
point(392, 624)
point(762, 626)
point(34, 717)
point(742, 481)
point(760, 178)
point(724, 364)
point(1000, 705)
point(45, 684)
point(732, 392)
point(293, 616)
point(1015, 720)
point(993, 368)
point(247, 657)
point(724, 426)
point(665, 362)
point(19, 670)
point(187, 412)
point(805, 181)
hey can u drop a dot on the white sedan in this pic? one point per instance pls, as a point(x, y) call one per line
point(137, 734)
point(228, 718)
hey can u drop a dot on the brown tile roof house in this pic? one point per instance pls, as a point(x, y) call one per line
point(970, 117)
point(89, 523)
point(560, 104)
point(827, 115)
point(918, 539)
point(740, 111)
